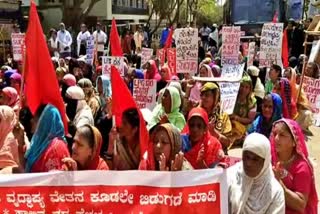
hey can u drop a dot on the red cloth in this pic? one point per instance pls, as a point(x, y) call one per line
point(41, 82)
point(51, 159)
point(121, 101)
point(285, 51)
point(275, 17)
point(115, 43)
point(169, 39)
point(212, 146)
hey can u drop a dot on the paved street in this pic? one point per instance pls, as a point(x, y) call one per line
point(314, 149)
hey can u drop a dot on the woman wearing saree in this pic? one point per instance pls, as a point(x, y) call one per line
point(124, 145)
point(167, 149)
point(271, 112)
point(200, 148)
point(292, 167)
point(169, 110)
point(48, 146)
point(9, 155)
point(86, 150)
point(303, 106)
point(289, 108)
point(90, 96)
point(210, 101)
point(244, 110)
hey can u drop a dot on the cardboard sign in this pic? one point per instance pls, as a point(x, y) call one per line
point(232, 71)
point(107, 61)
point(230, 45)
point(83, 192)
point(271, 45)
point(251, 53)
point(171, 57)
point(161, 56)
point(311, 87)
point(90, 50)
point(315, 52)
point(229, 93)
point(144, 93)
point(186, 50)
point(146, 55)
point(17, 40)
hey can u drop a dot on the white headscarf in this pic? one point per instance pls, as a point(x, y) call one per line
point(262, 194)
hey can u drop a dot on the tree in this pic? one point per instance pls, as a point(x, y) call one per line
point(74, 14)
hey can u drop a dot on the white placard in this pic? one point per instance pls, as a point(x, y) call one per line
point(18, 43)
point(229, 93)
point(186, 50)
point(232, 71)
point(107, 61)
point(146, 55)
point(144, 93)
point(90, 50)
point(230, 45)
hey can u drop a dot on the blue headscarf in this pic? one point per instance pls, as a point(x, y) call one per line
point(50, 126)
point(261, 126)
point(7, 75)
point(138, 75)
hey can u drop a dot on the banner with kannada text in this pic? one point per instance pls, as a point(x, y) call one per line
point(146, 55)
point(230, 45)
point(134, 192)
point(145, 93)
point(107, 61)
point(17, 41)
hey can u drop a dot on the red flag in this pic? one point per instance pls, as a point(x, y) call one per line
point(41, 81)
point(121, 101)
point(275, 17)
point(285, 50)
point(115, 43)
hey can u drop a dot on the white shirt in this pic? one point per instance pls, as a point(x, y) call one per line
point(82, 38)
point(215, 36)
point(65, 40)
point(100, 37)
point(54, 44)
point(138, 39)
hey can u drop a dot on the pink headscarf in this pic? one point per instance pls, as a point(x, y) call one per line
point(195, 91)
point(8, 144)
point(153, 73)
point(70, 80)
point(12, 94)
point(301, 150)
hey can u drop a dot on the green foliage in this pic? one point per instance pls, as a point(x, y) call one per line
point(209, 12)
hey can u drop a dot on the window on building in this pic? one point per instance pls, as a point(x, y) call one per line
point(139, 4)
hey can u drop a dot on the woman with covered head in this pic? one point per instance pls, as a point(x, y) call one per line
point(152, 71)
point(90, 96)
point(78, 111)
point(210, 102)
point(258, 87)
point(48, 146)
point(292, 167)
point(253, 188)
point(271, 112)
point(168, 110)
point(289, 107)
point(9, 155)
point(10, 97)
point(86, 150)
point(200, 148)
point(167, 149)
point(304, 109)
point(244, 110)
point(15, 81)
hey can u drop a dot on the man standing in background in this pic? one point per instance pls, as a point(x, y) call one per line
point(100, 39)
point(65, 41)
point(82, 38)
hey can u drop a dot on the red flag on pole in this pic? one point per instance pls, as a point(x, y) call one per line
point(41, 82)
point(115, 43)
point(121, 101)
point(169, 39)
point(285, 50)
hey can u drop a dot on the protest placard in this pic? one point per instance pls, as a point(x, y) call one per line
point(230, 45)
point(171, 57)
point(315, 52)
point(161, 56)
point(146, 54)
point(245, 49)
point(251, 53)
point(98, 192)
point(186, 50)
point(144, 93)
point(229, 93)
point(271, 45)
point(107, 61)
point(232, 71)
point(311, 88)
point(90, 50)
point(17, 40)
